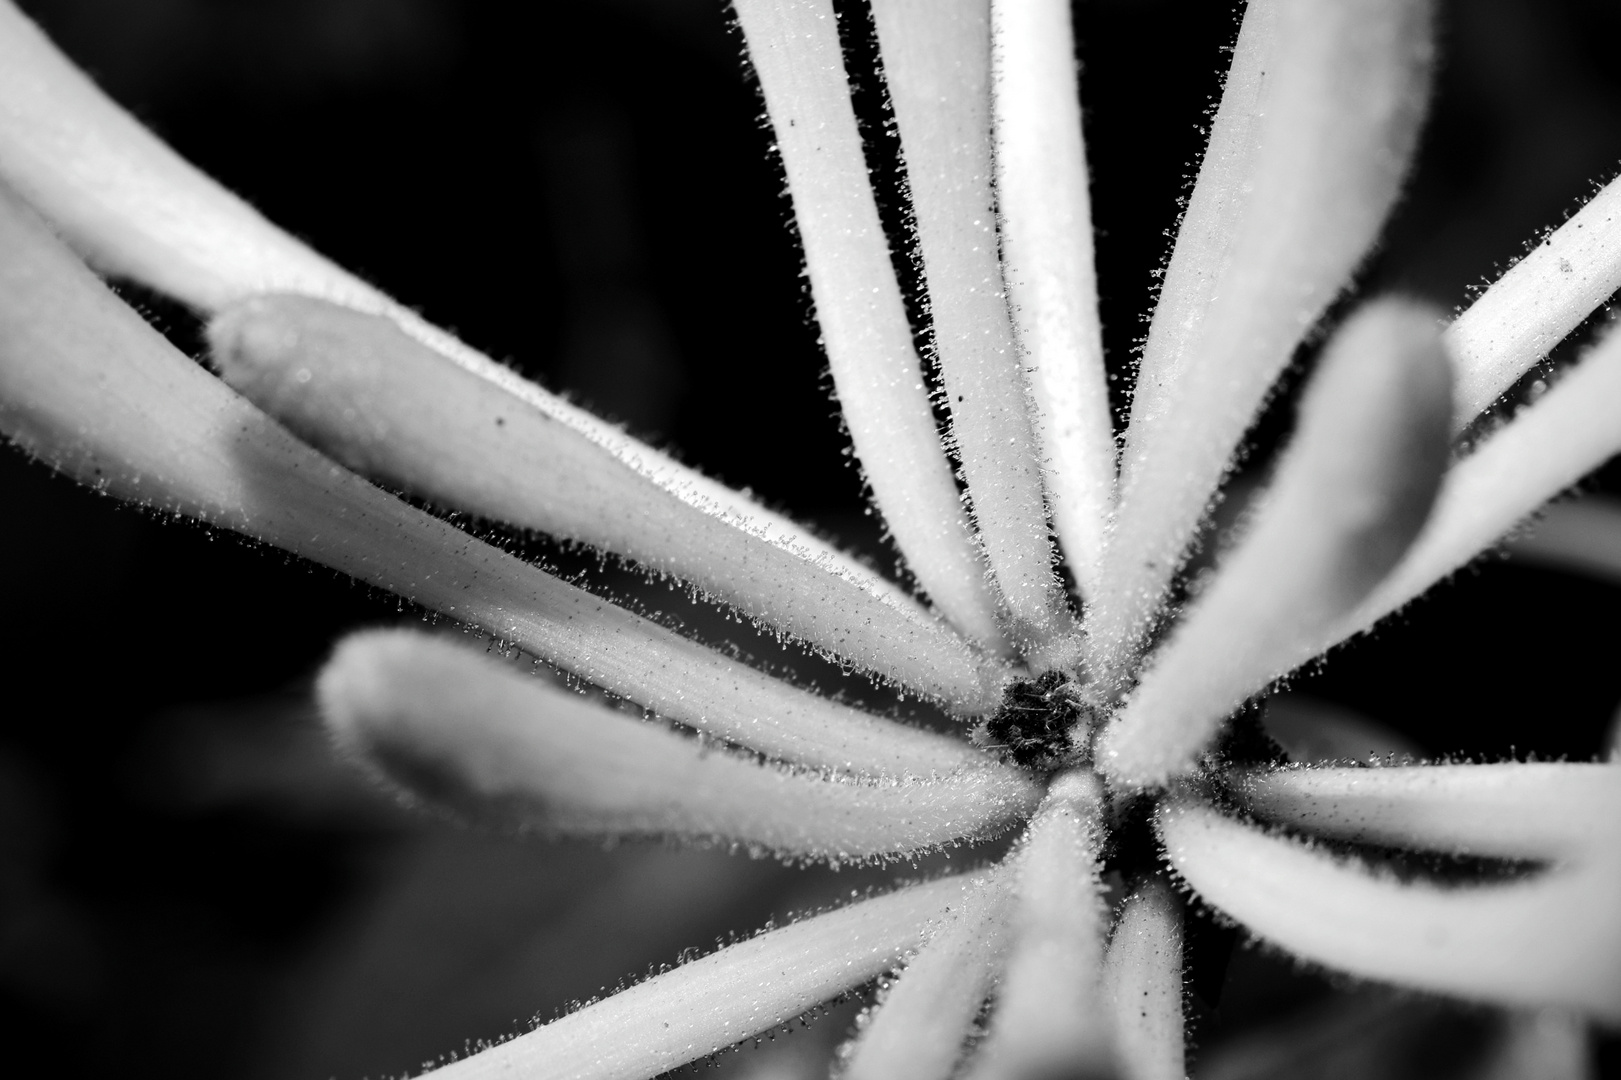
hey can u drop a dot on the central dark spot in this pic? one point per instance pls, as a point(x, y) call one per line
point(1036, 721)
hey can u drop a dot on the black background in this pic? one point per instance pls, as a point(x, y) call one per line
point(189, 887)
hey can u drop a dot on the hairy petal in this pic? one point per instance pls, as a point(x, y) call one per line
point(1052, 1015)
point(1352, 490)
point(1553, 939)
point(133, 207)
point(1515, 810)
point(90, 388)
point(1144, 970)
point(917, 1031)
point(1310, 142)
point(1582, 535)
point(461, 730)
point(709, 1004)
point(1539, 301)
point(936, 56)
point(794, 47)
point(1046, 217)
point(358, 388)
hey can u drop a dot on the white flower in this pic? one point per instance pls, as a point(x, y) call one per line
point(1096, 713)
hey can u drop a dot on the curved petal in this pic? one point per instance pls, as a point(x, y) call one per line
point(917, 1030)
point(794, 47)
point(459, 729)
point(1513, 810)
point(1353, 489)
point(1550, 940)
point(1309, 145)
point(1582, 535)
point(358, 388)
point(707, 1005)
point(937, 58)
point(1144, 969)
point(135, 208)
point(1046, 234)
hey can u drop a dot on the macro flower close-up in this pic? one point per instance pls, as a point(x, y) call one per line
point(1055, 722)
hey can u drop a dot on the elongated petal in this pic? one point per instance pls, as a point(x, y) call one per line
point(1537, 303)
point(1046, 214)
point(457, 728)
point(1052, 1013)
point(135, 208)
point(1553, 939)
point(794, 47)
point(711, 1003)
point(357, 387)
point(937, 58)
point(1353, 489)
point(917, 1031)
point(1582, 535)
point(1569, 431)
point(1310, 142)
point(1517, 810)
point(1144, 967)
point(89, 387)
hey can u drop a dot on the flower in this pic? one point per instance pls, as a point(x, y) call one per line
point(1104, 725)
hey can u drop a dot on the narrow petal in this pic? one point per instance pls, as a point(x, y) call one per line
point(1582, 535)
point(1144, 966)
point(1352, 490)
point(917, 1031)
point(1046, 217)
point(1516, 810)
point(456, 728)
point(707, 1005)
point(1052, 1013)
point(1310, 142)
point(937, 59)
point(794, 47)
point(1541, 299)
point(1550, 940)
point(358, 388)
point(1568, 432)
point(136, 209)
point(90, 388)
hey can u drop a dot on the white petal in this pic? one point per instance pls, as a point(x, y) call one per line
point(135, 208)
point(917, 1031)
point(709, 1004)
point(794, 47)
point(1537, 303)
point(89, 387)
point(1046, 214)
point(1352, 490)
point(1144, 965)
point(358, 388)
point(1518, 810)
point(936, 58)
point(1550, 940)
point(454, 727)
point(1052, 1013)
point(1309, 145)
point(1582, 535)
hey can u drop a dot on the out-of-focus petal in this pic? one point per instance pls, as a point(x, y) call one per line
point(794, 47)
point(937, 60)
point(917, 1031)
point(1310, 143)
point(455, 728)
point(1353, 489)
point(709, 1004)
point(1046, 234)
point(1552, 939)
point(1515, 810)
point(1582, 535)
point(358, 388)
point(1144, 971)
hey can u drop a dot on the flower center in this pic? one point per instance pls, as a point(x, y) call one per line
point(1034, 725)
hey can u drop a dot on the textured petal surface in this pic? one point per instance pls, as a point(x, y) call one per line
point(1144, 968)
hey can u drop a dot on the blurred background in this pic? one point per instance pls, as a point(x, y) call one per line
point(190, 885)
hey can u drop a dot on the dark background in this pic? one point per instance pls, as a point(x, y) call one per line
point(190, 887)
